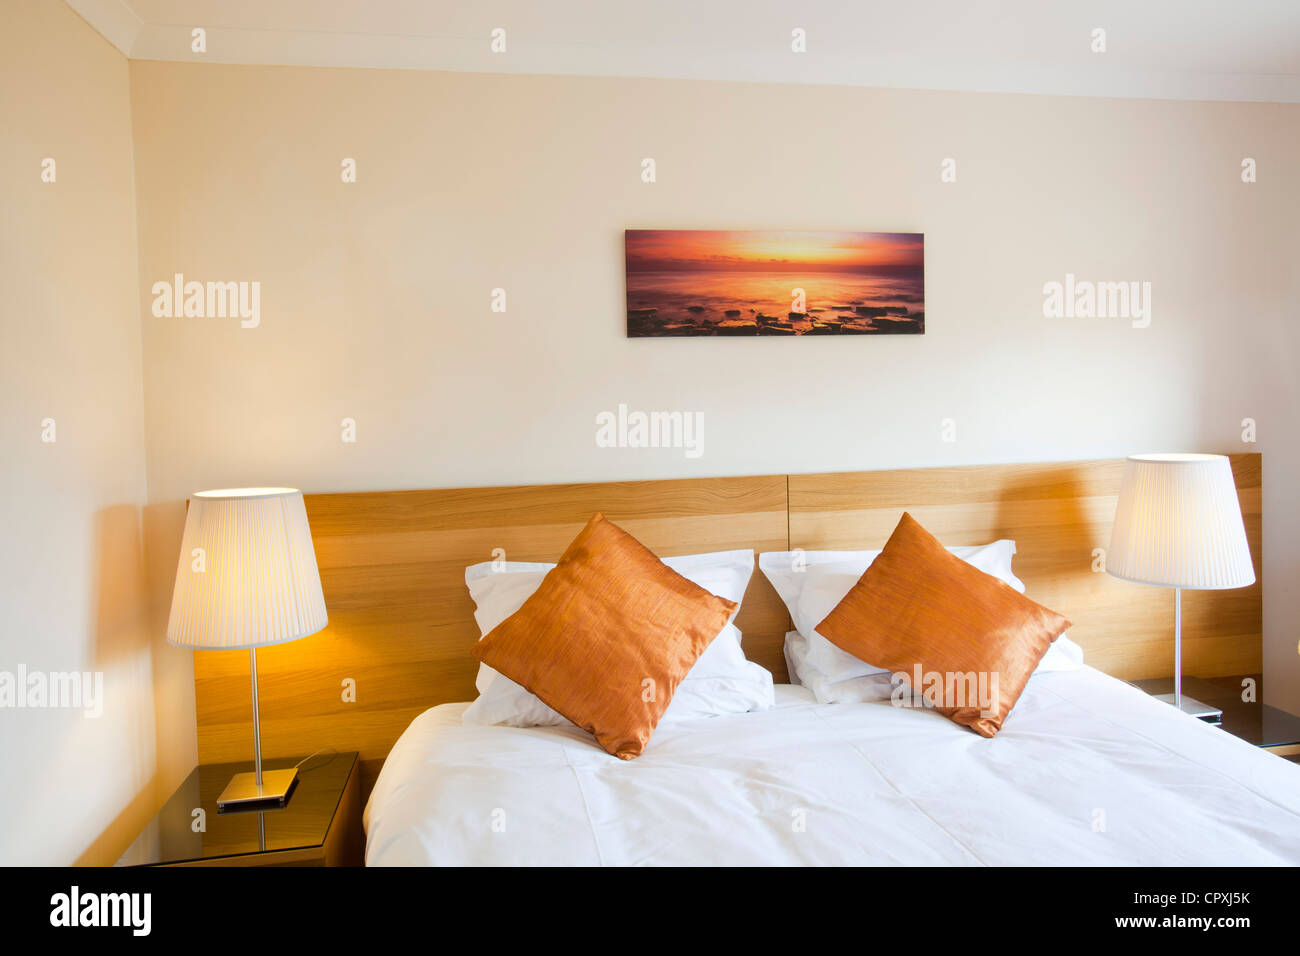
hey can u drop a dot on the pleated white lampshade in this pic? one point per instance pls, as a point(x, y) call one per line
point(1178, 524)
point(255, 582)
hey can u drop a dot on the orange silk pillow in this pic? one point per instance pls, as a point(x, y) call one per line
point(923, 612)
point(607, 637)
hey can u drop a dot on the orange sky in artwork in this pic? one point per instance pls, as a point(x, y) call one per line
point(744, 251)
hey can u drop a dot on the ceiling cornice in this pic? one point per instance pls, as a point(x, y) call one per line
point(904, 69)
point(114, 20)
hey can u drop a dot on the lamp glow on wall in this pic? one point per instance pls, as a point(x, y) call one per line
point(1178, 525)
point(247, 578)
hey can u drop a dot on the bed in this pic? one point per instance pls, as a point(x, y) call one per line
point(1087, 771)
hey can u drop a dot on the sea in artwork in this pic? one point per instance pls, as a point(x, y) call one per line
point(704, 283)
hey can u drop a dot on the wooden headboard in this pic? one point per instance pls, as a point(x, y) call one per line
point(402, 623)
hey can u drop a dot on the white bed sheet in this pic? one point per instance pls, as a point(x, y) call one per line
point(1088, 770)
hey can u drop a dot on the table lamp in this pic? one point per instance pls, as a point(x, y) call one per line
point(247, 578)
point(1178, 525)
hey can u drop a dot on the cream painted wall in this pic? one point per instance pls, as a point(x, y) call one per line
point(72, 598)
point(375, 295)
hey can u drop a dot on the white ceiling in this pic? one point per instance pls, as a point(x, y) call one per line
point(1175, 49)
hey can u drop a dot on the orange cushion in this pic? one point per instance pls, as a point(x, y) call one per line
point(922, 612)
point(607, 636)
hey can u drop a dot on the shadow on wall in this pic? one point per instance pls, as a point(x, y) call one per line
point(173, 667)
point(135, 565)
point(122, 652)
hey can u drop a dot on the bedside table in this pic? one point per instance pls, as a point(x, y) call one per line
point(320, 825)
point(1264, 726)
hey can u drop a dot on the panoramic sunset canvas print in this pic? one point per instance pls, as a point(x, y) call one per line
point(703, 282)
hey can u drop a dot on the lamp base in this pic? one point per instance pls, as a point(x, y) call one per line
point(1194, 708)
point(243, 793)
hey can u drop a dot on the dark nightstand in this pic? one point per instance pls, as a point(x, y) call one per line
point(1264, 726)
point(320, 825)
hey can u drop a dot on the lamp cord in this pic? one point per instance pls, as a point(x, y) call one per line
point(314, 753)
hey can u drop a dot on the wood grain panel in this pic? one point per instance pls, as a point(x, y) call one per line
point(1058, 514)
point(401, 619)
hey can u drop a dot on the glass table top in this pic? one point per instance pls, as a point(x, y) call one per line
point(189, 827)
point(1253, 721)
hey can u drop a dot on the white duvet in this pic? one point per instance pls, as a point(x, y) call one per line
point(1087, 770)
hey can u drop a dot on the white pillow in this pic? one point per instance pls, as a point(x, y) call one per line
point(722, 681)
point(1063, 655)
point(876, 685)
point(812, 584)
